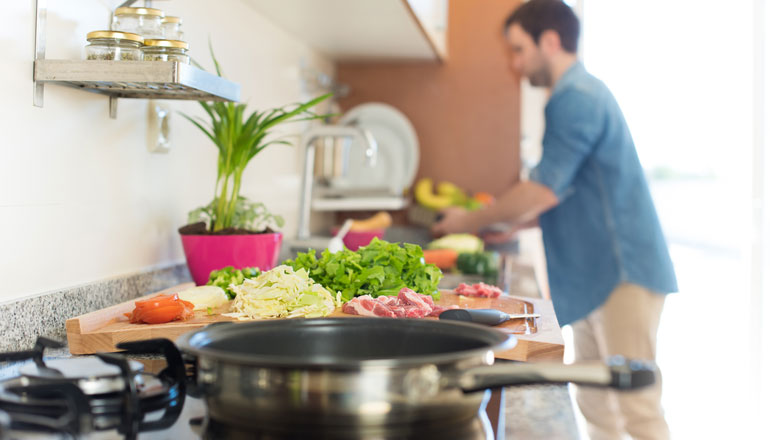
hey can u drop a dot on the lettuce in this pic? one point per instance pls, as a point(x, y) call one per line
point(381, 268)
point(281, 292)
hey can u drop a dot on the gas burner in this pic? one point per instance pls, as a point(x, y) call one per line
point(103, 392)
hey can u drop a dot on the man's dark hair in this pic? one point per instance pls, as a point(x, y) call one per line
point(538, 16)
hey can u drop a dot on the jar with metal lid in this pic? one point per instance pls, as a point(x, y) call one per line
point(172, 28)
point(111, 45)
point(143, 21)
point(165, 50)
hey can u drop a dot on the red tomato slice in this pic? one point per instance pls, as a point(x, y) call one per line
point(158, 301)
point(160, 309)
point(162, 314)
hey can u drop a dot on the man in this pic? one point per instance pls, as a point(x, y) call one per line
point(608, 264)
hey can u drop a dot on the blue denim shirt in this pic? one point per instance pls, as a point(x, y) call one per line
point(604, 230)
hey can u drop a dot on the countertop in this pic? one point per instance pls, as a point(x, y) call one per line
point(530, 412)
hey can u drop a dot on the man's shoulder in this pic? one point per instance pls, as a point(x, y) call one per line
point(582, 85)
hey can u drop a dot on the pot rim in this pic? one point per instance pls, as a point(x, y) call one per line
point(190, 342)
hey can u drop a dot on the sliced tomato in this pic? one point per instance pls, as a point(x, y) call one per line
point(158, 301)
point(160, 309)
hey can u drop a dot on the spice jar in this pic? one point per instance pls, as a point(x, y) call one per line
point(165, 50)
point(111, 45)
point(172, 28)
point(143, 21)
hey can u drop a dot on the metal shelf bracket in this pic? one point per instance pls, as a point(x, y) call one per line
point(41, 10)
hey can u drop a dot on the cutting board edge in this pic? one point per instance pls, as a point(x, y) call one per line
point(543, 345)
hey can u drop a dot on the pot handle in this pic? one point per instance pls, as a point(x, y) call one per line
point(617, 373)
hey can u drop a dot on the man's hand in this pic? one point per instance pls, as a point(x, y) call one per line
point(454, 220)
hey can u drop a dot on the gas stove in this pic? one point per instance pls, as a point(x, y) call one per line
point(110, 396)
point(102, 396)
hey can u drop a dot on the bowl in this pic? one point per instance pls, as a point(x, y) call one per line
point(356, 239)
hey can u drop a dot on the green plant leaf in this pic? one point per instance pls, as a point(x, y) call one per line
point(239, 136)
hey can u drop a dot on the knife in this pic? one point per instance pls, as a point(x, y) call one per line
point(483, 316)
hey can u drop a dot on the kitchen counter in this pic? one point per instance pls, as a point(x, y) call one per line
point(529, 412)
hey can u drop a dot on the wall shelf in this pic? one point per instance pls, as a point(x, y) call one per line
point(125, 79)
point(138, 79)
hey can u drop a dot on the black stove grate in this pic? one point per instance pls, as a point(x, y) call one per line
point(52, 403)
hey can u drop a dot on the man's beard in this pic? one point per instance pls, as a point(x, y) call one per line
point(541, 77)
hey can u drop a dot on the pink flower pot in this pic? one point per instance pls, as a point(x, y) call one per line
point(213, 252)
point(356, 239)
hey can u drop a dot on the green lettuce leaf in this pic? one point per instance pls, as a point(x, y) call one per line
point(381, 268)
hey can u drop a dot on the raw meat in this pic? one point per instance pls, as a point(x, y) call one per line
point(365, 305)
point(479, 290)
point(408, 304)
point(437, 309)
point(412, 298)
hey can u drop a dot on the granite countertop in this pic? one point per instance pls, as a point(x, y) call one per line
point(539, 412)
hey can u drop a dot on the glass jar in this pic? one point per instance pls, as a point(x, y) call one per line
point(143, 21)
point(165, 50)
point(111, 45)
point(172, 28)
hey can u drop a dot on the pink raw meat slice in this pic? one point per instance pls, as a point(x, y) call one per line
point(437, 309)
point(416, 312)
point(478, 290)
point(388, 300)
point(408, 304)
point(465, 289)
point(488, 291)
point(409, 296)
point(367, 306)
point(400, 311)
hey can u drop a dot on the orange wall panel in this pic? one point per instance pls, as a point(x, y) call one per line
point(465, 110)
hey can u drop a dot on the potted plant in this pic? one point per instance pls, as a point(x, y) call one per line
point(232, 230)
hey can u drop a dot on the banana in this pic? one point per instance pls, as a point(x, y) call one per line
point(423, 192)
point(450, 189)
point(381, 220)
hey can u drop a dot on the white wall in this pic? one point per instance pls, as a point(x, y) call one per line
point(81, 199)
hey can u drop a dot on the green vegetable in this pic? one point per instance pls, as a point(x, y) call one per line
point(229, 275)
point(282, 292)
point(240, 136)
point(209, 310)
point(459, 242)
point(472, 204)
point(381, 268)
point(478, 263)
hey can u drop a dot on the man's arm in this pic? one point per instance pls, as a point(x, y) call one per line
point(520, 204)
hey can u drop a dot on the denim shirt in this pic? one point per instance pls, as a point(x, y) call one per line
point(605, 230)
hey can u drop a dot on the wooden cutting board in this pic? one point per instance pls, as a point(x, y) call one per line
point(102, 330)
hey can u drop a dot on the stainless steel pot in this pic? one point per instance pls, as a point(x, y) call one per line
point(367, 371)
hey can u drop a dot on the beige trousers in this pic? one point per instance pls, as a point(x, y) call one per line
point(627, 324)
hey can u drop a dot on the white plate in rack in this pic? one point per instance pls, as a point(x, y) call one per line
point(398, 149)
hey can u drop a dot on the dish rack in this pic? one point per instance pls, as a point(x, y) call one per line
point(125, 79)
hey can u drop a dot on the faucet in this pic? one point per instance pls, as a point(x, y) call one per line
point(308, 141)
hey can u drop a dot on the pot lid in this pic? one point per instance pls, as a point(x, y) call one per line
point(345, 343)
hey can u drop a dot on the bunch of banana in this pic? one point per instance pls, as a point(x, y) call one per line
point(447, 194)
